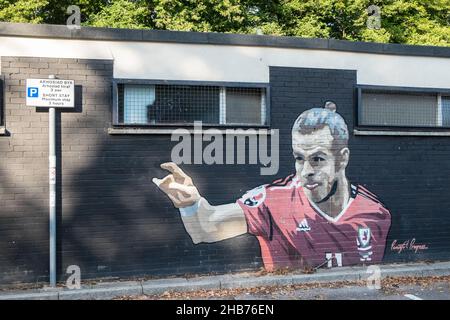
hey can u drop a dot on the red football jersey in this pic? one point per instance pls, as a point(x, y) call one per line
point(293, 232)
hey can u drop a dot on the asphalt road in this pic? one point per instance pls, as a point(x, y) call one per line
point(403, 288)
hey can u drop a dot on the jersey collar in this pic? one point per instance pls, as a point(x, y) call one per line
point(353, 193)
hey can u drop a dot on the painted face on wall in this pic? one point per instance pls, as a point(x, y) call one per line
point(316, 162)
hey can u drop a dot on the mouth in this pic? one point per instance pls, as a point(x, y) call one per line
point(311, 186)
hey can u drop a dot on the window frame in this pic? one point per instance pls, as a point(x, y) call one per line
point(2, 100)
point(220, 84)
point(438, 92)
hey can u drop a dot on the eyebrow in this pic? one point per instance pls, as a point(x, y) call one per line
point(319, 153)
point(316, 153)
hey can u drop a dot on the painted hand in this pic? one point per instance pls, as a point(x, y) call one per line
point(177, 186)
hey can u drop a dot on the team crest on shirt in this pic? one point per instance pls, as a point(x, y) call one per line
point(363, 242)
point(364, 236)
point(254, 197)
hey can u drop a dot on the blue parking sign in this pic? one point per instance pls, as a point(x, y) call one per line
point(33, 92)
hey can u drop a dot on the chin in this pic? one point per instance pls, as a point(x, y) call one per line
point(311, 195)
point(316, 198)
point(315, 195)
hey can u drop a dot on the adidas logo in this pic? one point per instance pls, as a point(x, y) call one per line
point(303, 226)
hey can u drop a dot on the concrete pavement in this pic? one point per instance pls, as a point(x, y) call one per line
point(237, 280)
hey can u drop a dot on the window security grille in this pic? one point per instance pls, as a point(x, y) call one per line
point(394, 109)
point(147, 104)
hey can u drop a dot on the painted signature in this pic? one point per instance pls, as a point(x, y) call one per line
point(410, 245)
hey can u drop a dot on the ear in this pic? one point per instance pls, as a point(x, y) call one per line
point(344, 157)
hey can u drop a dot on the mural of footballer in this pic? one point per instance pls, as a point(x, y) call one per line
point(311, 218)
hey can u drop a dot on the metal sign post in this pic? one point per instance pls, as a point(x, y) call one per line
point(52, 189)
point(51, 93)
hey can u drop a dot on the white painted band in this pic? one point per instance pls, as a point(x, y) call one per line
point(189, 211)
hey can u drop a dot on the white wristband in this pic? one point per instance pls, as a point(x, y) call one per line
point(190, 211)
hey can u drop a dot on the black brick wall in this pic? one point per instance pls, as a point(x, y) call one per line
point(113, 222)
point(24, 158)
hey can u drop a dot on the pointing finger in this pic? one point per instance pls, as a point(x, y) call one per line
point(164, 183)
point(157, 181)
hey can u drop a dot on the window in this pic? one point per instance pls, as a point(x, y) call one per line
point(154, 103)
point(445, 102)
point(245, 105)
point(403, 108)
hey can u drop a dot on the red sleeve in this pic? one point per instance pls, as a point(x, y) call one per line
point(256, 212)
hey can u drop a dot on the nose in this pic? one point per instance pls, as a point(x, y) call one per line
point(307, 170)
